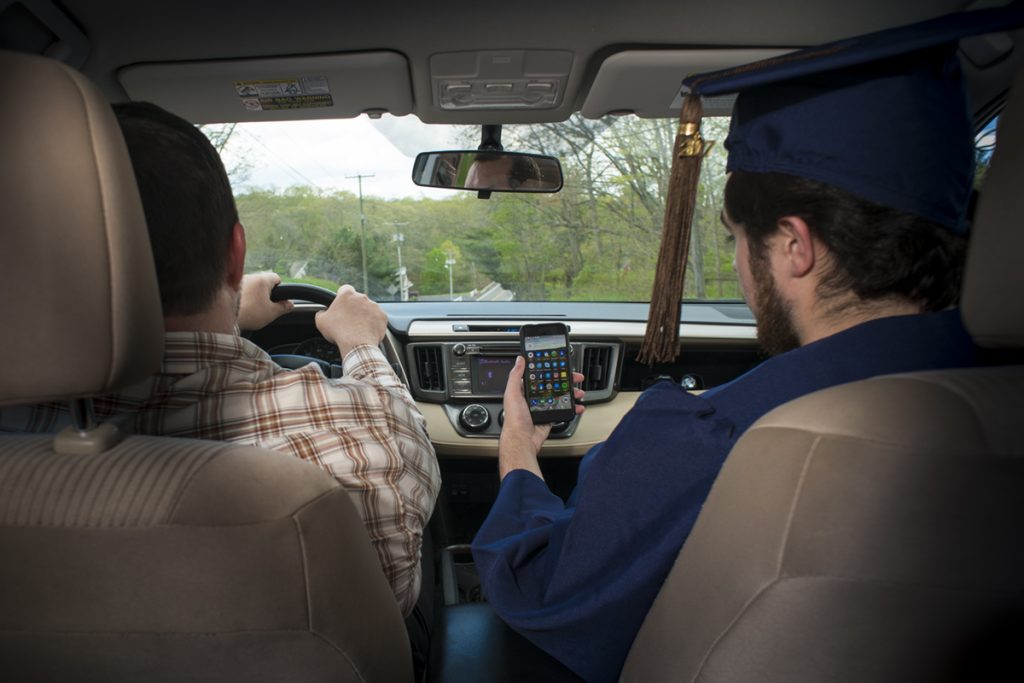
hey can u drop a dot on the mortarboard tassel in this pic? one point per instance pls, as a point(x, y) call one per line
point(661, 342)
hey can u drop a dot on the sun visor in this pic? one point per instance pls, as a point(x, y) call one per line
point(276, 89)
point(646, 82)
point(40, 27)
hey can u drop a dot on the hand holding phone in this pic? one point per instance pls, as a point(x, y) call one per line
point(547, 379)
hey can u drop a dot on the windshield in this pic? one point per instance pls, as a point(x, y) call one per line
point(332, 202)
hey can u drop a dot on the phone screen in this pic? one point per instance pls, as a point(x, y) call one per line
point(548, 377)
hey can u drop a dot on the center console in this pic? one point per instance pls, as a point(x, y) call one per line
point(469, 378)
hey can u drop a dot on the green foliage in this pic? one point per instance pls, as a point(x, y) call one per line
point(596, 240)
point(434, 275)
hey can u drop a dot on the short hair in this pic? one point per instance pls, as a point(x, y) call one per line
point(524, 167)
point(187, 199)
point(877, 252)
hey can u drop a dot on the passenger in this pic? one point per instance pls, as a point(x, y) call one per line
point(497, 171)
point(846, 201)
point(364, 429)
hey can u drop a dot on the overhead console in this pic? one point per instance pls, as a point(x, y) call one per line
point(500, 79)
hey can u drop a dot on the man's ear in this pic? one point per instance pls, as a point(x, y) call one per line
point(236, 256)
point(799, 248)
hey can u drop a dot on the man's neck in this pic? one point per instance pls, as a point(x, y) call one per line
point(832, 319)
point(220, 317)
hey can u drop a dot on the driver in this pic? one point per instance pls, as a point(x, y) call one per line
point(364, 428)
point(496, 171)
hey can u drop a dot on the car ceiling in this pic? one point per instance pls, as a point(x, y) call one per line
point(120, 34)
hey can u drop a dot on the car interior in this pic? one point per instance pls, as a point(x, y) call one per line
point(866, 532)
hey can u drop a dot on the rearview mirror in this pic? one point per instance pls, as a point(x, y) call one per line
point(488, 171)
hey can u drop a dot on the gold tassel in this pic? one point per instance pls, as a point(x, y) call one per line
point(661, 343)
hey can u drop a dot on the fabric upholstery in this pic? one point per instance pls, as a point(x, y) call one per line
point(157, 559)
point(866, 532)
point(165, 558)
point(76, 263)
point(40, 488)
point(993, 286)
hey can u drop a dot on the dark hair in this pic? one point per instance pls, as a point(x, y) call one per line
point(877, 252)
point(523, 167)
point(190, 209)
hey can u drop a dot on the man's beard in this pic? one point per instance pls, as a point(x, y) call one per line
point(775, 330)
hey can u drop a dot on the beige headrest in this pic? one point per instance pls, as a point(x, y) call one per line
point(994, 276)
point(81, 311)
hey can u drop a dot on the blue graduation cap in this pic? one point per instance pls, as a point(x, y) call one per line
point(883, 116)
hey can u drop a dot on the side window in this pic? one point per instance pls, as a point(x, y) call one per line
point(984, 145)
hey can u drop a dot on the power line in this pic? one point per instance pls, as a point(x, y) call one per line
point(281, 162)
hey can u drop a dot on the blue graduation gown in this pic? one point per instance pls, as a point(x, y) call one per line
point(578, 577)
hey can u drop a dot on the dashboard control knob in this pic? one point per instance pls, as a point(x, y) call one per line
point(459, 349)
point(475, 417)
point(691, 382)
point(501, 418)
point(559, 427)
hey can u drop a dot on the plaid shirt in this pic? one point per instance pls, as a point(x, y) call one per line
point(363, 428)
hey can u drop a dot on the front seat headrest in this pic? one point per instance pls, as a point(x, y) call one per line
point(81, 306)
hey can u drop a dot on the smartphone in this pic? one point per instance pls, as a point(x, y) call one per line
point(547, 381)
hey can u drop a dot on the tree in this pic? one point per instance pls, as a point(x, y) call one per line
point(609, 216)
point(220, 135)
point(595, 240)
point(434, 276)
point(709, 272)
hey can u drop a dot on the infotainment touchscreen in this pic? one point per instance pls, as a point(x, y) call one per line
point(490, 374)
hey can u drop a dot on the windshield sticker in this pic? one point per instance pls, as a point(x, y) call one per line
point(285, 93)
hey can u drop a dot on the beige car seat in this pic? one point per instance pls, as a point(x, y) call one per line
point(145, 558)
point(872, 531)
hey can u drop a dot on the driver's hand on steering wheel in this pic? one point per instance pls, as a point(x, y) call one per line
point(256, 310)
point(351, 320)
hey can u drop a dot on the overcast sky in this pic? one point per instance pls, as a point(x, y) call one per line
point(324, 153)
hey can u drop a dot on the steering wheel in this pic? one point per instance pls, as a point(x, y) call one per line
point(324, 297)
point(303, 292)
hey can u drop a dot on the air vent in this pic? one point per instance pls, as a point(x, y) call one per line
point(430, 368)
point(596, 367)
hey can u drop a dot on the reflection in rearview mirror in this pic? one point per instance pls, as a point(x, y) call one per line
point(488, 171)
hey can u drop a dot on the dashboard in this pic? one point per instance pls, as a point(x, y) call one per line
point(456, 357)
point(316, 347)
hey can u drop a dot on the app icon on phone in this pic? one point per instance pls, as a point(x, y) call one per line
point(550, 387)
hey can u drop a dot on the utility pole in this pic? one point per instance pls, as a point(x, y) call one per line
point(449, 263)
point(403, 281)
point(362, 229)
